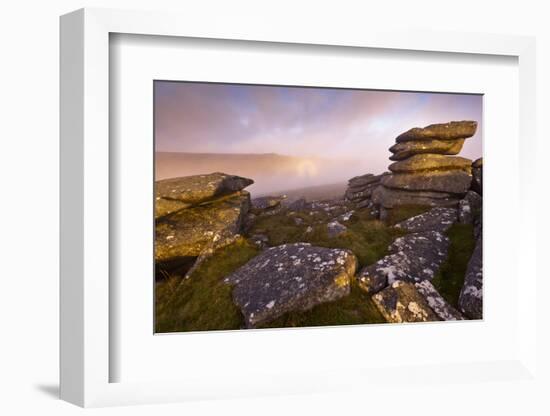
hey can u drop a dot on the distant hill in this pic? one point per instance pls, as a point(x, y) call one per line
point(271, 172)
point(173, 164)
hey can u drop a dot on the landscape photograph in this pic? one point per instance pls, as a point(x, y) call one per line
point(290, 206)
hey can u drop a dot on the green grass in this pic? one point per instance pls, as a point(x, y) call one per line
point(366, 237)
point(403, 212)
point(450, 278)
point(203, 302)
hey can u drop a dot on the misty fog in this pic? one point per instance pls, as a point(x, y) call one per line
point(272, 173)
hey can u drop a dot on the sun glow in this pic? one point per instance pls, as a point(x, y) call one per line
point(307, 168)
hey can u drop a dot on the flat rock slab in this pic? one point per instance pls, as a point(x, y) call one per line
point(414, 257)
point(445, 131)
point(363, 180)
point(450, 181)
point(402, 302)
point(290, 277)
point(437, 303)
point(191, 231)
point(428, 162)
point(177, 193)
point(470, 300)
point(404, 150)
point(390, 198)
point(437, 219)
point(361, 187)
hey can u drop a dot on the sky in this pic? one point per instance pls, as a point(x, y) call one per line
point(355, 125)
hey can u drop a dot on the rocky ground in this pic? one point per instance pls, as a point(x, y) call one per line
point(404, 246)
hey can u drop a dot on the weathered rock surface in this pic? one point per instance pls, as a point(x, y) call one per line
point(165, 206)
point(363, 180)
point(477, 173)
point(191, 231)
point(346, 216)
point(425, 172)
point(470, 300)
point(404, 150)
point(437, 219)
point(174, 194)
point(429, 162)
point(436, 302)
point(291, 277)
point(469, 208)
point(296, 204)
point(414, 257)
point(266, 203)
point(334, 229)
point(449, 181)
point(360, 187)
point(389, 198)
point(402, 302)
point(445, 131)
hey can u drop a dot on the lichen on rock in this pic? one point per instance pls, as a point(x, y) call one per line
point(402, 302)
point(290, 277)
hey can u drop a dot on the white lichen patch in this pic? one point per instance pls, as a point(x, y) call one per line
point(417, 311)
point(472, 291)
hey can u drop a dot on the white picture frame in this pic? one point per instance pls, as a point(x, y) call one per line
point(85, 210)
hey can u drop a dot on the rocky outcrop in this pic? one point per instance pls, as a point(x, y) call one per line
point(414, 302)
point(389, 198)
point(195, 215)
point(361, 187)
point(469, 208)
point(447, 181)
point(291, 277)
point(453, 130)
point(174, 194)
point(470, 300)
point(294, 204)
point(402, 302)
point(425, 171)
point(436, 302)
point(414, 257)
point(404, 150)
point(431, 162)
point(437, 219)
point(477, 173)
point(189, 232)
point(267, 204)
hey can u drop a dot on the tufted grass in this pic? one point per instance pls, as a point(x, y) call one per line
point(450, 278)
point(203, 302)
point(403, 212)
point(366, 237)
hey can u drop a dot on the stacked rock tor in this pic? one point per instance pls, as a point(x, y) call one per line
point(360, 190)
point(425, 170)
point(194, 215)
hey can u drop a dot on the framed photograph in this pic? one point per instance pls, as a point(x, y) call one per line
point(264, 211)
